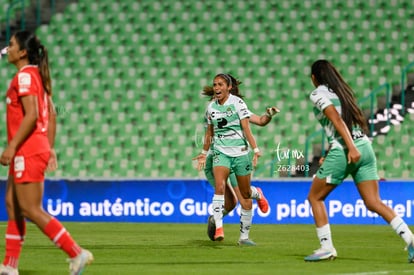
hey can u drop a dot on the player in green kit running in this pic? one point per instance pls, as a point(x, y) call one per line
point(232, 192)
point(350, 153)
point(228, 124)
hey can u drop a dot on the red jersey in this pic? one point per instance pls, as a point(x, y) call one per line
point(28, 82)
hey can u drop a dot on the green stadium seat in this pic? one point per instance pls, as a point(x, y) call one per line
point(131, 73)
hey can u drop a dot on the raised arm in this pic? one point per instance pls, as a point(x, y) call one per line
point(264, 119)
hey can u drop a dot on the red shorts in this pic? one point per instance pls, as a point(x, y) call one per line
point(29, 169)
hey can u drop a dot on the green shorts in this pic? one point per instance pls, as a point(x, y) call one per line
point(335, 167)
point(208, 171)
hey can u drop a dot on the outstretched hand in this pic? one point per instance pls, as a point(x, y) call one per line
point(7, 155)
point(256, 158)
point(52, 164)
point(201, 161)
point(271, 111)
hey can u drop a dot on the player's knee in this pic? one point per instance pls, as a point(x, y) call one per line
point(372, 205)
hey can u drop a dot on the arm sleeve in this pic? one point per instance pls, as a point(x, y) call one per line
point(320, 100)
point(208, 116)
point(242, 109)
point(26, 84)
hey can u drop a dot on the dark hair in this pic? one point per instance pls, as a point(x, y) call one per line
point(326, 74)
point(37, 55)
point(230, 80)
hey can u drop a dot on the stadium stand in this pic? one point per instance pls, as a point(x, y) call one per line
point(128, 76)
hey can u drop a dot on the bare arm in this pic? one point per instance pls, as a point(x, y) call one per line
point(52, 164)
point(353, 153)
point(30, 109)
point(263, 120)
point(208, 136)
point(201, 158)
point(51, 130)
point(250, 138)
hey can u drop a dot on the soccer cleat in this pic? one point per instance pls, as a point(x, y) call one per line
point(78, 263)
point(8, 270)
point(322, 254)
point(211, 227)
point(410, 249)
point(219, 235)
point(262, 202)
point(246, 242)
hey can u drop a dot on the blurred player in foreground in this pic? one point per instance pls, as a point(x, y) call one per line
point(31, 129)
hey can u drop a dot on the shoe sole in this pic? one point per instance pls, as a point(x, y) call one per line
point(245, 244)
point(330, 258)
point(89, 259)
point(211, 229)
point(218, 238)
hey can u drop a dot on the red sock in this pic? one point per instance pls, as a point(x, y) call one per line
point(14, 242)
point(62, 239)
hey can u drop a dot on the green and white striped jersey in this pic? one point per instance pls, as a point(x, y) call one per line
point(323, 97)
point(228, 135)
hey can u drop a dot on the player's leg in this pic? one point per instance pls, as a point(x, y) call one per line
point(208, 172)
point(333, 168)
point(246, 212)
point(30, 200)
point(29, 192)
point(230, 200)
point(15, 231)
point(255, 193)
point(367, 184)
point(242, 169)
point(221, 171)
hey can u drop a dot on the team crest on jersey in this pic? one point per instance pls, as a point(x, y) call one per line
point(229, 112)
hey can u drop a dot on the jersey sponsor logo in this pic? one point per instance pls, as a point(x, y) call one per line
point(244, 112)
point(19, 166)
point(319, 103)
point(221, 122)
point(8, 100)
point(24, 81)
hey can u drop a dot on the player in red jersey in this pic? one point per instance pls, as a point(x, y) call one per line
point(31, 129)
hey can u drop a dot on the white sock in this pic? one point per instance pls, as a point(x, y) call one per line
point(218, 206)
point(324, 236)
point(255, 194)
point(401, 228)
point(246, 217)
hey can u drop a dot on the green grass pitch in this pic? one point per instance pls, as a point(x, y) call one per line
point(148, 248)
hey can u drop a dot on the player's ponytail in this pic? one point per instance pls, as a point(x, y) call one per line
point(36, 55)
point(326, 74)
point(44, 69)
